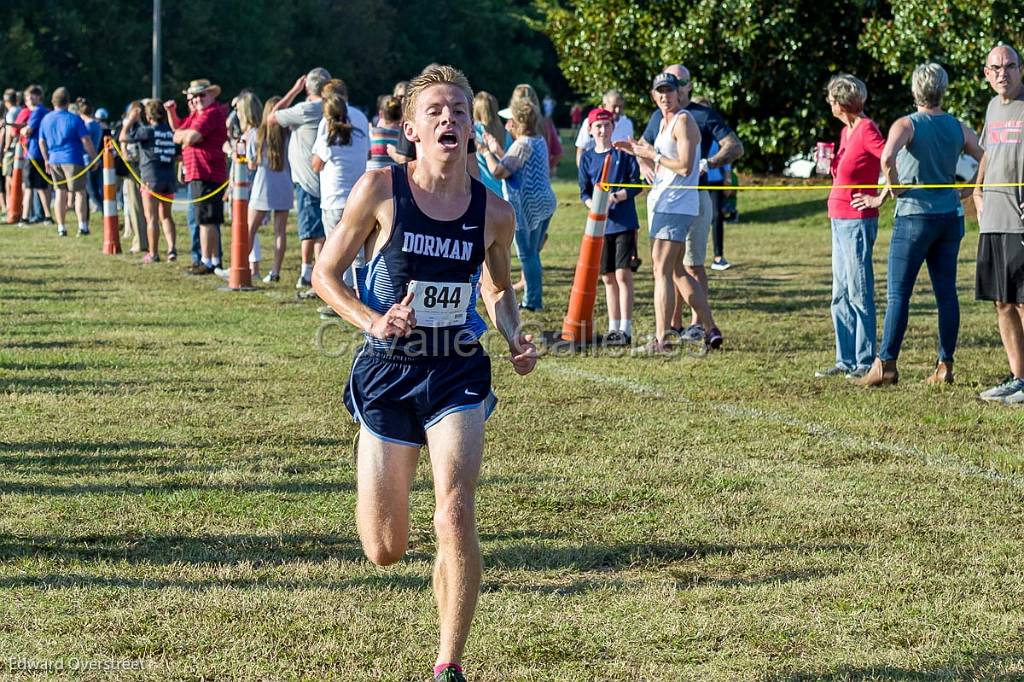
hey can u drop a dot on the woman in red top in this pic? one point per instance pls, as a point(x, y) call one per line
point(857, 162)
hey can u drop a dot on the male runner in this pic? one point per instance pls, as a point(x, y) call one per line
point(431, 234)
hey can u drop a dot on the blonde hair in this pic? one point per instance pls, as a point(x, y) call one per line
point(848, 92)
point(524, 91)
point(248, 107)
point(526, 118)
point(929, 85)
point(270, 139)
point(440, 75)
point(339, 128)
point(485, 111)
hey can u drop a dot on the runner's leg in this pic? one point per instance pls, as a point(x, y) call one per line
point(456, 446)
point(384, 474)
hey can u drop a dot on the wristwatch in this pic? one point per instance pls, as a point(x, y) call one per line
point(657, 159)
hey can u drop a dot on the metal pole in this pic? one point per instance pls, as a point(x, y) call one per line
point(157, 75)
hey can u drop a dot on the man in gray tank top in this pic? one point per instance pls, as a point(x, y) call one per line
point(1000, 267)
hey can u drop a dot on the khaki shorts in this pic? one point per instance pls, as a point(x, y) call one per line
point(69, 170)
point(697, 237)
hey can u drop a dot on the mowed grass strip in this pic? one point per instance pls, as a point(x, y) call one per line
point(178, 486)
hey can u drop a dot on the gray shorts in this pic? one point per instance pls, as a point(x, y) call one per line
point(63, 171)
point(697, 239)
point(330, 218)
point(672, 227)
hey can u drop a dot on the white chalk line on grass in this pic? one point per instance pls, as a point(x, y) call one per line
point(938, 460)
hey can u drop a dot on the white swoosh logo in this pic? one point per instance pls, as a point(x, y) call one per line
point(469, 227)
point(469, 392)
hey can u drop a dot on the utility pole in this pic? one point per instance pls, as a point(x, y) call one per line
point(157, 48)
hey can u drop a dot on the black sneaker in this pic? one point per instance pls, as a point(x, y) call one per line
point(617, 338)
point(84, 233)
point(61, 232)
point(48, 221)
point(714, 338)
point(833, 371)
point(450, 674)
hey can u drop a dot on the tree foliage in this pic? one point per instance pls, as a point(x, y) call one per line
point(102, 48)
point(765, 64)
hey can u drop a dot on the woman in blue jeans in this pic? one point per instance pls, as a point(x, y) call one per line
point(922, 149)
point(525, 167)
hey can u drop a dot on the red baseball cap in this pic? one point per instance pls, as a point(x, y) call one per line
point(598, 114)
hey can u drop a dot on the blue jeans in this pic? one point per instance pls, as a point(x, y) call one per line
point(193, 229)
point(853, 291)
point(308, 214)
point(528, 243)
point(933, 238)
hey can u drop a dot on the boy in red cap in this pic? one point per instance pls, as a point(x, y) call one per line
point(621, 228)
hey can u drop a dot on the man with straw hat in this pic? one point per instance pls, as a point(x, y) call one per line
point(202, 135)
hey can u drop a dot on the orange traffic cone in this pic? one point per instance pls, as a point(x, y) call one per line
point(111, 238)
point(239, 276)
point(14, 197)
point(578, 325)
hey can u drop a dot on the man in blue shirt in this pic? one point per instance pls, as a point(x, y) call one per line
point(712, 127)
point(63, 142)
point(36, 182)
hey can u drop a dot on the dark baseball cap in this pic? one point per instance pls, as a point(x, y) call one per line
point(665, 79)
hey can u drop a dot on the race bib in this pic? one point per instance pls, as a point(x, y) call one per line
point(440, 304)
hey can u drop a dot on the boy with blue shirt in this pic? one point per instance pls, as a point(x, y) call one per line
point(621, 228)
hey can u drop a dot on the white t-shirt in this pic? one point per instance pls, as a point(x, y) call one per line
point(623, 129)
point(343, 164)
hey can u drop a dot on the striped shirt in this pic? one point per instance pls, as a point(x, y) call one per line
point(380, 138)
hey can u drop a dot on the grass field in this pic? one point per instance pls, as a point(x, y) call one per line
point(177, 487)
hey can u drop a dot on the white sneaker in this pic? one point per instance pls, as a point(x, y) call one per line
point(997, 394)
point(1014, 398)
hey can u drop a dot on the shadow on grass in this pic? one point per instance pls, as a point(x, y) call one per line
point(282, 487)
point(58, 385)
point(779, 213)
point(618, 557)
point(973, 666)
point(184, 549)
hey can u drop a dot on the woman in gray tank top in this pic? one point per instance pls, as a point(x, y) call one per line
point(922, 149)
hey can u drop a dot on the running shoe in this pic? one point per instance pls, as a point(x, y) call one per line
point(272, 277)
point(150, 258)
point(617, 338)
point(303, 283)
point(200, 269)
point(720, 264)
point(694, 333)
point(1015, 399)
point(858, 372)
point(714, 338)
point(450, 674)
point(223, 273)
point(172, 256)
point(997, 394)
point(833, 371)
point(651, 349)
point(48, 221)
point(84, 233)
point(61, 232)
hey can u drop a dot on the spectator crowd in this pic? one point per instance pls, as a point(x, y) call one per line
point(306, 149)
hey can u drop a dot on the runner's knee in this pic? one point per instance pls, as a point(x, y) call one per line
point(453, 518)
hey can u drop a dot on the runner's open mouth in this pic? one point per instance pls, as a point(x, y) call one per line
point(449, 140)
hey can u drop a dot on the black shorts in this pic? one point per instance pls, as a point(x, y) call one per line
point(1000, 267)
point(209, 211)
point(34, 179)
point(619, 249)
point(397, 397)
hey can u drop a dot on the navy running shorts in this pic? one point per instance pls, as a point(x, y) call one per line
point(398, 397)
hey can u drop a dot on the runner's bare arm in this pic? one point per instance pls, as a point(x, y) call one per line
point(730, 149)
point(979, 192)
point(370, 200)
point(496, 284)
